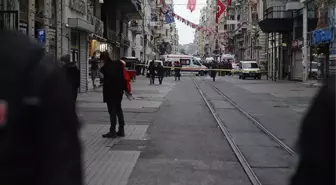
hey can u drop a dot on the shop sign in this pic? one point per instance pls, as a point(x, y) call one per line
point(41, 36)
point(297, 44)
point(78, 5)
point(322, 36)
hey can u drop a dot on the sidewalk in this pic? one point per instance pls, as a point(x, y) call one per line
point(103, 165)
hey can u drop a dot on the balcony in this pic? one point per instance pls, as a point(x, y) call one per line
point(135, 27)
point(98, 25)
point(312, 19)
point(112, 37)
point(127, 43)
point(277, 19)
point(133, 45)
point(132, 8)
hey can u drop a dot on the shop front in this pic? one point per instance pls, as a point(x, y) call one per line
point(296, 67)
point(322, 40)
point(79, 48)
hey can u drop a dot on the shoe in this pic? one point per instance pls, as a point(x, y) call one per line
point(121, 132)
point(110, 135)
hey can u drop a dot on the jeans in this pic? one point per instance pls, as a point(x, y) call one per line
point(114, 109)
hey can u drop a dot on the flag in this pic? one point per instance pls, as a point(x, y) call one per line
point(220, 10)
point(229, 2)
point(191, 5)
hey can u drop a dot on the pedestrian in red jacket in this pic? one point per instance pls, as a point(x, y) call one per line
point(127, 79)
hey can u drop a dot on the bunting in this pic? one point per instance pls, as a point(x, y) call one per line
point(204, 29)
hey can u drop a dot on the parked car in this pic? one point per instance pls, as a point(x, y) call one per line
point(249, 69)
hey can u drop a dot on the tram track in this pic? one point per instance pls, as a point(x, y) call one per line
point(240, 156)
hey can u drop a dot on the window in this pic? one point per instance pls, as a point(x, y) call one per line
point(250, 65)
point(185, 62)
point(196, 63)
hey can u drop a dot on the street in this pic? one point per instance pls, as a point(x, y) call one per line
point(195, 131)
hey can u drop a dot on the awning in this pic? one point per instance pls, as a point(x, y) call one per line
point(80, 24)
point(98, 38)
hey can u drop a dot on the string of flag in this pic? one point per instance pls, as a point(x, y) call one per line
point(203, 29)
point(221, 9)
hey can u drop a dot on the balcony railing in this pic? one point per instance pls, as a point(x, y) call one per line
point(277, 12)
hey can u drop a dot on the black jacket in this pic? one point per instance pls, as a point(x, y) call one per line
point(72, 75)
point(114, 81)
point(45, 148)
point(317, 140)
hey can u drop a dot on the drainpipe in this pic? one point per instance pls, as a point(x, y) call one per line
point(305, 43)
point(144, 30)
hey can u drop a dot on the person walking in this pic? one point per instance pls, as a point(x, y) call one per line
point(214, 67)
point(177, 71)
point(94, 69)
point(161, 72)
point(151, 70)
point(72, 75)
point(39, 127)
point(114, 87)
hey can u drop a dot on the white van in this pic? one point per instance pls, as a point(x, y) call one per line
point(249, 69)
point(189, 64)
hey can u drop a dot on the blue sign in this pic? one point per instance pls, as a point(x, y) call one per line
point(169, 15)
point(322, 36)
point(41, 36)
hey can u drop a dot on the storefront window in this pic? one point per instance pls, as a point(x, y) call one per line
point(319, 65)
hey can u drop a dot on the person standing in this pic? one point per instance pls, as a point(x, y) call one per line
point(94, 69)
point(151, 70)
point(114, 86)
point(72, 74)
point(161, 72)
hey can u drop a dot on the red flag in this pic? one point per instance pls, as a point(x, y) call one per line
point(229, 2)
point(220, 10)
point(191, 5)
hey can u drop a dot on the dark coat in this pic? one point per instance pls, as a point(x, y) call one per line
point(213, 72)
point(44, 149)
point(114, 81)
point(160, 70)
point(151, 69)
point(317, 140)
point(73, 78)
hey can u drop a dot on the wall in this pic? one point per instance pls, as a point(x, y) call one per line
point(66, 14)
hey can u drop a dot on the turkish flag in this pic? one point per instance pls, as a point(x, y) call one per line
point(191, 5)
point(220, 10)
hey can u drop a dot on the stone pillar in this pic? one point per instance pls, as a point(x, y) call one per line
point(59, 28)
point(31, 18)
point(46, 22)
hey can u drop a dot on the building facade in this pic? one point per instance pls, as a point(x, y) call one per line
point(80, 28)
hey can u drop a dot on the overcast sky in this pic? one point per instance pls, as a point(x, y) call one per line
point(186, 33)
